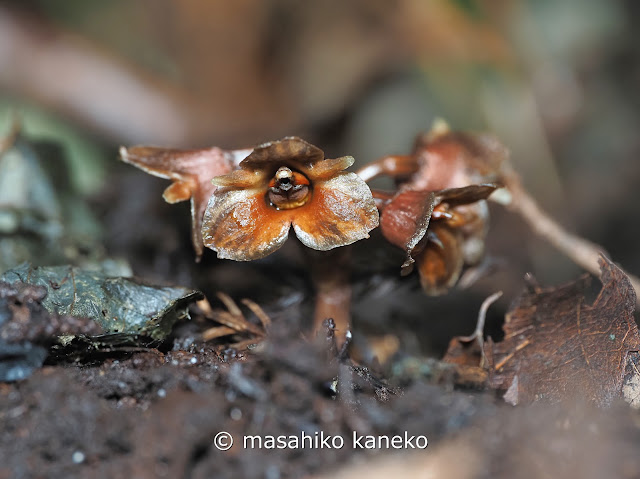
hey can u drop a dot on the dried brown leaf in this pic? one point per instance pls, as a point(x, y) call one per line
point(556, 347)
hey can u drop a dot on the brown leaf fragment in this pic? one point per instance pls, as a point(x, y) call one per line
point(631, 386)
point(557, 347)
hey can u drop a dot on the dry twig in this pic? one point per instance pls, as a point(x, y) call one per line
point(233, 320)
point(584, 253)
point(478, 334)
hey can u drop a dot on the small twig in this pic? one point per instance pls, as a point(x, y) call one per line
point(504, 360)
point(584, 253)
point(217, 332)
point(258, 311)
point(233, 320)
point(478, 334)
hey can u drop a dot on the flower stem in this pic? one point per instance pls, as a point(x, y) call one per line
point(584, 253)
point(330, 272)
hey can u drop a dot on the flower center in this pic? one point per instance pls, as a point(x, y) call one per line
point(288, 189)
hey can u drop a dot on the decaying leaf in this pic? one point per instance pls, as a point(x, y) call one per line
point(119, 305)
point(557, 347)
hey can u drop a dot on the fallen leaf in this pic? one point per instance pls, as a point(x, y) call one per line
point(119, 305)
point(556, 347)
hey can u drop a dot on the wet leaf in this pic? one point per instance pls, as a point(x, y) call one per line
point(557, 347)
point(118, 305)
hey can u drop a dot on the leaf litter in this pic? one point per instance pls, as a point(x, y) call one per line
point(557, 347)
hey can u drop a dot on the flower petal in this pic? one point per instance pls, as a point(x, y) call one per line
point(456, 159)
point(466, 194)
point(180, 164)
point(191, 171)
point(441, 262)
point(239, 225)
point(341, 212)
point(290, 148)
point(178, 191)
point(241, 179)
point(405, 220)
point(325, 169)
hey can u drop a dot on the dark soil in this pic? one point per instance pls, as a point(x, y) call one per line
point(154, 414)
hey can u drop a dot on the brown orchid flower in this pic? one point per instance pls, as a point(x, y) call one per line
point(191, 172)
point(438, 215)
point(439, 231)
point(244, 202)
point(283, 184)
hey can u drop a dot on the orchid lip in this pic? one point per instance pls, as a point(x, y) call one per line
point(288, 189)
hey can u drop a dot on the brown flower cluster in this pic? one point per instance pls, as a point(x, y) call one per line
point(438, 214)
point(244, 202)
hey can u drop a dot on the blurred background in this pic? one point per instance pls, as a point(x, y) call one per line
point(557, 82)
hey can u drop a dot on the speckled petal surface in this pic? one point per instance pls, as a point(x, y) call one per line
point(341, 212)
point(239, 225)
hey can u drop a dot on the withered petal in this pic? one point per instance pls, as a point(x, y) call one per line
point(325, 169)
point(241, 179)
point(191, 171)
point(289, 150)
point(178, 191)
point(440, 262)
point(178, 164)
point(341, 212)
point(404, 221)
point(466, 194)
point(456, 159)
point(239, 225)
